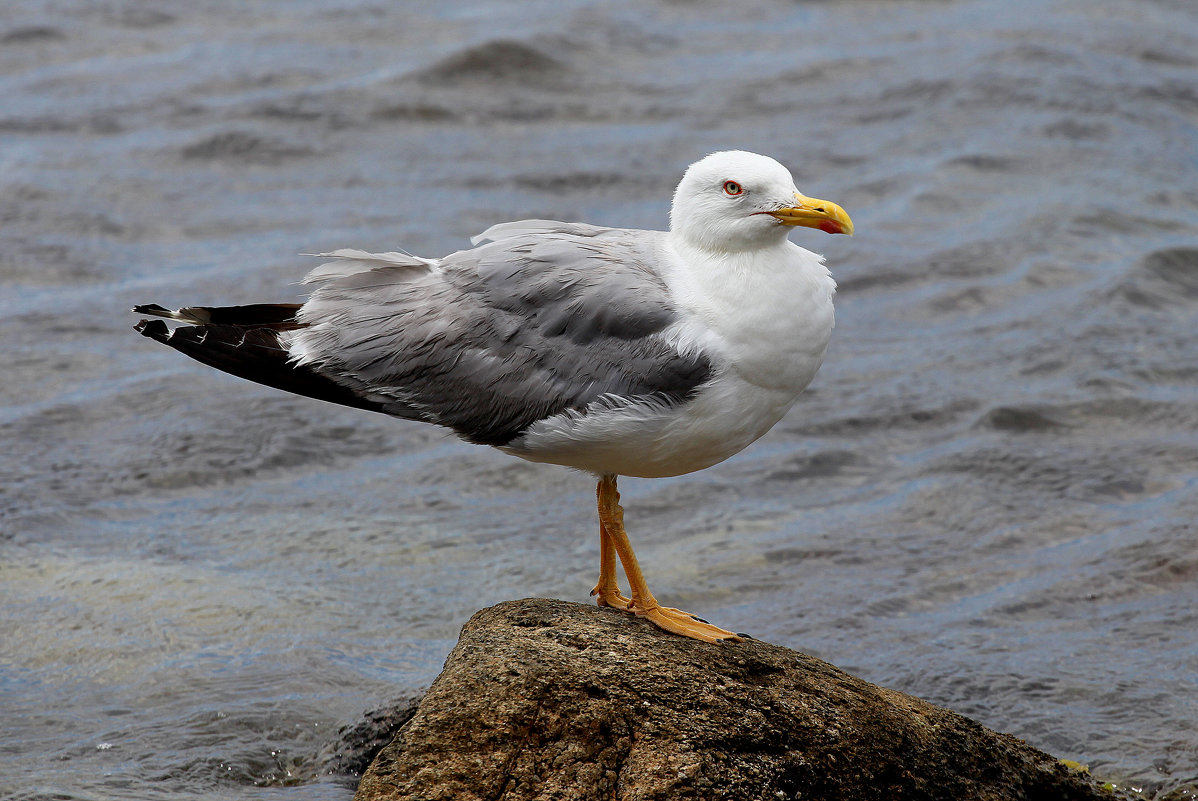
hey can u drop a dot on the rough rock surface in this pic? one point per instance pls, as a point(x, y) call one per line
point(552, 700)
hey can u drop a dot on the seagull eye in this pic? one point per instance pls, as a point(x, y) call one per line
point(732, 188)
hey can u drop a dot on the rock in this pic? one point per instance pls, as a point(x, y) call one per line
point(356, 746)
point(546, 699)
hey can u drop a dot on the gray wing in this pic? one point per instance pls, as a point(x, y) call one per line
point(549, 317)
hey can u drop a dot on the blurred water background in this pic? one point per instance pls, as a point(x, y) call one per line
point(987, 498)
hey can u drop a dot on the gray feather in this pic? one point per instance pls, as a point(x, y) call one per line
point(549, 318)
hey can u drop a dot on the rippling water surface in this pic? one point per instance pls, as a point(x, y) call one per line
point(987, 498)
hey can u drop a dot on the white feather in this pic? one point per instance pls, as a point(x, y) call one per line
point(349, 261)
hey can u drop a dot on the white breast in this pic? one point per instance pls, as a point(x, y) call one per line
point(764, 320)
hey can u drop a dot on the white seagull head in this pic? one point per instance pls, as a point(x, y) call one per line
point(735, 201)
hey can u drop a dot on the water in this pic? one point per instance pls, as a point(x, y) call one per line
point(986, 498)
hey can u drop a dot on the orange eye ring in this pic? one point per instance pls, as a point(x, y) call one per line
point(732, 188)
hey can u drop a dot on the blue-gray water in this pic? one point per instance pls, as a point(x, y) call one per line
point(987, 498)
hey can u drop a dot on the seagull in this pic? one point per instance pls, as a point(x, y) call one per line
point(613, 351)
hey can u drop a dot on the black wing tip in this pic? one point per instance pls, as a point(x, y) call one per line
point(154, 329)
point(152, 309)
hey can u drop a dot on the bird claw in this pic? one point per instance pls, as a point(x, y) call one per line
point(676, 621)
point(611, 596)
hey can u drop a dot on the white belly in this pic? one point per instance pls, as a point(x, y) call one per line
point(766, 334)
point(651, 441)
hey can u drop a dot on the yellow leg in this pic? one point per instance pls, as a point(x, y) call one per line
point(613, 535)
point(607, 590)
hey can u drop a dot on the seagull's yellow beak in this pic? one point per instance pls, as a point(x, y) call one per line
point(811, 212)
